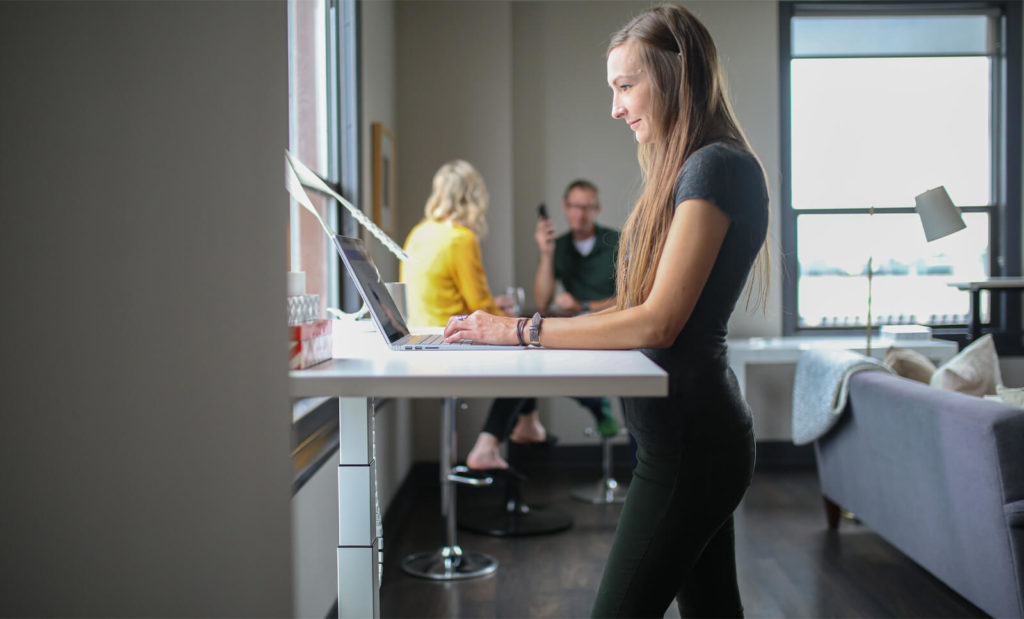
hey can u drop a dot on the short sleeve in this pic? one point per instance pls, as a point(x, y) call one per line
point(725, 175)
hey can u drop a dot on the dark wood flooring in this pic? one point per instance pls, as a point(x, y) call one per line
point(790, 564)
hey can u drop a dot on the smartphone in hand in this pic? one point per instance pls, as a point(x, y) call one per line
point(542, 211)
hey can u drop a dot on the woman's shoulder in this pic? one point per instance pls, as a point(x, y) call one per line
point(725, 173)
point(458, 234)
point(725, 160)
point(722, 152)
point(443, 229)
point(454, 238)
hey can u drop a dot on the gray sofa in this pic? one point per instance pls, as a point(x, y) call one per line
point(940, 476)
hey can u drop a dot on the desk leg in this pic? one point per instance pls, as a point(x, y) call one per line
point(975, 329)
point(450, 562)
point(358, 512)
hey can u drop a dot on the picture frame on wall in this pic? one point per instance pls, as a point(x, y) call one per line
point(384, 184)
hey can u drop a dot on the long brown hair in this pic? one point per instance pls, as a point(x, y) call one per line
point(691, 109)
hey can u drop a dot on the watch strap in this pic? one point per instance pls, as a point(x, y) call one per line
point(535, 329)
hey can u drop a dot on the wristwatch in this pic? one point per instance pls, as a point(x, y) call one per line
point(535, 329)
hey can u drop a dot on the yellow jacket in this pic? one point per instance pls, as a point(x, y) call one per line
point(445, 276)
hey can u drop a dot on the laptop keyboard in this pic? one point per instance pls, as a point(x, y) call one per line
point(421, 340)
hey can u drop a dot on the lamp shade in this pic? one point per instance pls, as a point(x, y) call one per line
point(939, 216)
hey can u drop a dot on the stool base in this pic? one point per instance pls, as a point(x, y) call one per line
point(520, 522)
point(603, 492)
point(449, 563)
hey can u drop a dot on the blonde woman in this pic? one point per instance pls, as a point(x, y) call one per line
point(698, 229)
point(447, 278)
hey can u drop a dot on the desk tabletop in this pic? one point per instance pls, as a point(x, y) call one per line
point(990, 283)
point(788, 349)
point(364, 367)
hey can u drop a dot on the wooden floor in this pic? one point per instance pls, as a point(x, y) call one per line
point(790, 564)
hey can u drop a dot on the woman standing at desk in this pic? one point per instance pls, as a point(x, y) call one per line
point(697, 230)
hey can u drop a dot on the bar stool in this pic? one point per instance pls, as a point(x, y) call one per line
point(607, 490)
point(513, 517)
point(450, 562)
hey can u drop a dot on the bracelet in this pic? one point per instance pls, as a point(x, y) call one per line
point(520, 324)
point(535, 329)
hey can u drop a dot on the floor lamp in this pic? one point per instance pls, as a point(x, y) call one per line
point(939, 218)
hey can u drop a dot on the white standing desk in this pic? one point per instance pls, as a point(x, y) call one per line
point(364, 368)
point(992, 284)
point(787, 350)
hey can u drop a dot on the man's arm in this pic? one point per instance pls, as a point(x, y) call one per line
point(544, 280)
point(568, 304)
point(600, 304)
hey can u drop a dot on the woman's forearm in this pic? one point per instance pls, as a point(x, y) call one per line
point(636, 327)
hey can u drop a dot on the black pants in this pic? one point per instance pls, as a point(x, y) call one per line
point(675, 534)
point(502, 416)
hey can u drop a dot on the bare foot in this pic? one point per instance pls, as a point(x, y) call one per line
point(528, 429)
point(484, 454)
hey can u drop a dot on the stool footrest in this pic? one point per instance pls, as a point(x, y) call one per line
point(463, 475)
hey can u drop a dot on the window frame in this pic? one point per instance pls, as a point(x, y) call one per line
point(1004, 213)
point(344, 115)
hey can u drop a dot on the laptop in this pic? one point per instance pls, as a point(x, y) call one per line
point(385, 314)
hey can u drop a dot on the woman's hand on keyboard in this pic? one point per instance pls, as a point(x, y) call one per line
point(482, 328)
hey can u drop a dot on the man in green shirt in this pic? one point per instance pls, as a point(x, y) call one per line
point(583, 258)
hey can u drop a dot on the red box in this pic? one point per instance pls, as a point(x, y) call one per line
point(309, 330)
point(309, 352)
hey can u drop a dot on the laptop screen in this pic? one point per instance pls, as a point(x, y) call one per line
point(364, 273)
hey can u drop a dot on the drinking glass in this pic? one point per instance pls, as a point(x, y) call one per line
point(519, 298)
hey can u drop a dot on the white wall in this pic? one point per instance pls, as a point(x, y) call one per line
point(144, 455)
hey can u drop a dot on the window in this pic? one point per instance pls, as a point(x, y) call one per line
point(307, 135)
point(322, 120)
point(882, 102)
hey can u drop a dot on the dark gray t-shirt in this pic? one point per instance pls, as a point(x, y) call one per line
point(704, 400)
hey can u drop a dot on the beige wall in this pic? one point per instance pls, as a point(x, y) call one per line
point(454, 100)
point(144, 456)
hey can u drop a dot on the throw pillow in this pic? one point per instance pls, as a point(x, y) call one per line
point(974, 370)
point(1013, 397)
point(910, 364)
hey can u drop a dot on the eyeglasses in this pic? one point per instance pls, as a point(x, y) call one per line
point(589, 208)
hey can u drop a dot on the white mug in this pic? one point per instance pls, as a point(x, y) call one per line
point(397, 292)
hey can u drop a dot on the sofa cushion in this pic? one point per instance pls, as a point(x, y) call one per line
point(974, 370)
point(910, 364)
point(1011, 396)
